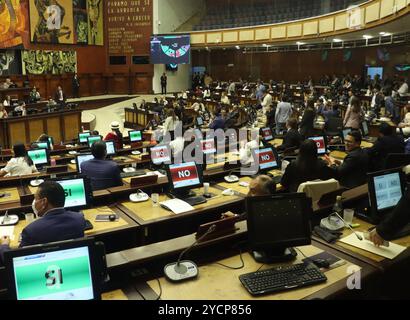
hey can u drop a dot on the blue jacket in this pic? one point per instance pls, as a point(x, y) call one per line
point(56, 225)
point(103, 173)
point(218, 123)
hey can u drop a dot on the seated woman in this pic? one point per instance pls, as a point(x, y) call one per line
point(20, 165)
point(115, 135)
point(3, 112)
point(307, 167)
point(170, 122)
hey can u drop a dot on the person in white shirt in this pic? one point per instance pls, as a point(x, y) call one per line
point(405, 124)
point(177, 145)
point(231, 88)
point(3, 112)
point(7, 102)
point(171, 121)
point(21, 108)
point(198, 106)
point(225, 99)
point(267, 101)
point(207, 93)
point(404, 89)
point(245, 152)
point(283, 113)
point(20, 165)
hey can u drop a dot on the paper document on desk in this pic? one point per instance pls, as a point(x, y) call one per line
point(7, 232)
point(177, 206)
point(159, 174)
point(391, 252)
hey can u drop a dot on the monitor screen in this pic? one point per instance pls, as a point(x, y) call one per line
point(42, 145)
point(388, 190)
point(199, 121)
point(268, 158)
point(92, 139)
point(38, 156)
point(267, 134)
point(82, 158)
point(82, 137)
point(51, 141)
point(135, 136)
point(373, 71)
point(346, 133)
point(110, 148)
point(172, 67)
point(365, 128)
point(184, 175)
point(208, 146)
point(269, 219)
point(75, 192)
point(160, 155)
point(321, 145)
point(172, 49)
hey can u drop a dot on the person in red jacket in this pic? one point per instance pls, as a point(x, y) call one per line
point(115, 135)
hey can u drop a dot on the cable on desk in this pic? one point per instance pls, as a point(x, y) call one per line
point(160, 290)
point(233, 268)
point(260, 267)
point(302, 253)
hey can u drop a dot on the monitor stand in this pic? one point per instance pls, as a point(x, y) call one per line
point(274, 256)
point(189, 197)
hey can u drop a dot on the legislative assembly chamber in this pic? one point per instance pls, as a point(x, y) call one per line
point(222, 150)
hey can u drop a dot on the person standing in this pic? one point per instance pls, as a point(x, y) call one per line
point(283, 113)
point(76, 86)
point(59, 97)
point(164, 80)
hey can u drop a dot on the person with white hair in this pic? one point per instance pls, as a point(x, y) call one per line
point(115, 135)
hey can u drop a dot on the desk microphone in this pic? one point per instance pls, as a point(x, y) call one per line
point(231, 178)
point(184, 270)
point(348, 225)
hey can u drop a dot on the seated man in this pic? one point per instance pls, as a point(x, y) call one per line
point(292, 138)
point(353, 172)
point(56, 223)
point(262, 186)
point(103, 173)
point(219, 121)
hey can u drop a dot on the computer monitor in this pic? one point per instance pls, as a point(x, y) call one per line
point(51, 141)
point(82, 158)
point(78, 194)
point(66, 270)
point(110, 148)
point(267, 158)
point(199, 121)
point(386, 188)
point(208, 146)
point(276, 223)
point(160, 154)
point(40, 157)
point(92, 139)
point(365, 128)
point(346, 132)
point(321, 145)
point(135, 136)
point(267, 134)
point(41, 145)
point(183, 177)
point(82, 137)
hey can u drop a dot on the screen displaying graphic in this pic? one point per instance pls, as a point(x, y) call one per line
point(42, 145)
point(135, 136)
point(388, 190)
point(171, 67)
point(110, 148)
point(184, 175)
point(170, 49)
point(74, 190)
point(321, 145)
point(200, 121)
point(267, 159)
point(346, 133)
point(373, 71)
point(208, 146)
point(93, 139)
point(267, 134)
point(83, 137)
point(38, 156)
point(83, 158)
point(160, 155)
point(57, 275)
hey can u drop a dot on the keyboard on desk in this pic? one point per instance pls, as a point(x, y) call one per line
point(282, 278)
point(194, 201)
point(137, 173)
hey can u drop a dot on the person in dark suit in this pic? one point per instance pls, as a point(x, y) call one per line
point(219, 120)
point(76, 86)
point(393, 223)
point(308, 119)
point(164, 80)
point(387, 143)
point(353, 172)
point(292, 138)
point(270, 116)
point(103, 173)
point(56, 223)
point(307, 167)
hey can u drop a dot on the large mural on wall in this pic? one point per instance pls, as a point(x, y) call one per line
point(13, 23)
point(95, 22)
point(10, 62)
point(80, 21)
point(39, 62)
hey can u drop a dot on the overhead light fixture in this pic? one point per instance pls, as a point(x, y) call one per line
point(264, 45)
point(385, 34)
point(300, 43)
point(366, 36)
point(382, 33)
point(238, 47)
point(337, 40)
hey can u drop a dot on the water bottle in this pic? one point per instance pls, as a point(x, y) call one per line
point(338, 206)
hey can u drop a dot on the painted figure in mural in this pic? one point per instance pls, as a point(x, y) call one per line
point(94, 16)
point(12, 22)
point(49, 28)
point(6, 58)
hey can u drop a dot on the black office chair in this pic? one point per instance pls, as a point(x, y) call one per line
point(397, 160)
point(334, 127)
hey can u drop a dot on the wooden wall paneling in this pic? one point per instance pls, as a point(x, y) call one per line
point(142, 83)
point(35, 129)
point(71, 123)
point(85, 86)
point(54, 129)
point(97, 84)
point(17, 133)
point(118, 84)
